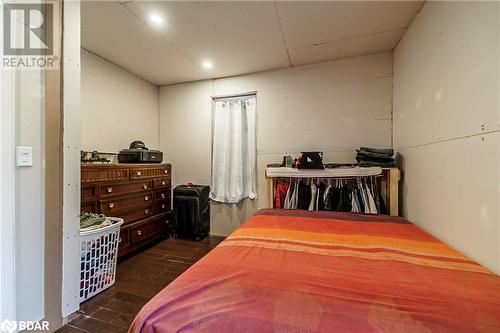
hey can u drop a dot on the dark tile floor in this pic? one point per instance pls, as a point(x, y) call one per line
point(138, 279)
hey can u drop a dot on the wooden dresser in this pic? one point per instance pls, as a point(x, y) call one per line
point(138, 193)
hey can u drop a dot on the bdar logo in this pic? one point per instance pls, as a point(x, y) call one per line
point(8, 326)
point(35, 37)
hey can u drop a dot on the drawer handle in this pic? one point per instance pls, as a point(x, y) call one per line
point(166, 171)
point(111, 205)
point(146, 198)
point(139, 232)
point(110, 189)
point(145, 186)
point(146, 211)
point(163, 183)
point(119, 240)
point(138, 173)
point(163, 195)
point(163, 206)
point(167, 222)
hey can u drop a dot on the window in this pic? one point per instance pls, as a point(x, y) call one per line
point(234, 149)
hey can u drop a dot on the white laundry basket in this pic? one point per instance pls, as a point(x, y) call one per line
point(98, 254)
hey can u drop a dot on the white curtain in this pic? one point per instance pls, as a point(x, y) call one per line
point(234, 150)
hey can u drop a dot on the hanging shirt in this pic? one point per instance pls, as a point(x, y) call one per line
point(281, 189)
point(295, 195)
point(288, 196)
point(313, 197)
point(373, 206)
point(321, 193)
point(354, 205)
point(326, 198)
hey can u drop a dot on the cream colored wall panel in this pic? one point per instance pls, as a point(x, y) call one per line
point(446, 79)
point(185, 132)
point(334, 107)
point(29, 195)
point(446, 102)
point(345, 48)
point(337, 105)
point(305, 24)
point(452, 190)
point(117, 107)
point(226, 218)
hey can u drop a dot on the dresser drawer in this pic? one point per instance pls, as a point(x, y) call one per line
point(162, 195)
point(136, 214)
point(149, 229)
point(160, 183)
point(109, 190)
point(124, 239)
point(149, 172)
point(112, 206)
point(88, 192)
point(88, 207)
point(162, 206)
point(103, 173)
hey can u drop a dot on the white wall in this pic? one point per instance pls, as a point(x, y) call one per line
point(117, 107)
point(333, 107)
point(447, 122)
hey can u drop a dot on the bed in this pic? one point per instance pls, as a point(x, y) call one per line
point(299, 271)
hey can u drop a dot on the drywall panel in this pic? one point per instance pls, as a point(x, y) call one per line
point(29, 192)
point(345, 48)
point(185, 113)
point(306, 24)
point(451, 189)
point(7, 190)
point(446, 79)
point(446, 125)
point(117, 107)
point(333, 107)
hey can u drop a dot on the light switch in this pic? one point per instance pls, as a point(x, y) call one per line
point(24, 156)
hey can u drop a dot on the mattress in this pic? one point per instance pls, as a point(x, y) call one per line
point(299, 271)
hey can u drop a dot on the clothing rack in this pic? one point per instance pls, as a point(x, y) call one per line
point(389, 182)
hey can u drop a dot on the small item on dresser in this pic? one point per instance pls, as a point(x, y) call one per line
point(311, 160)
point(370, 157)
point(93, 157)
point(287, 161)
point(139, 153)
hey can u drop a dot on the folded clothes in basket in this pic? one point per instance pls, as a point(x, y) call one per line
point(91, 221)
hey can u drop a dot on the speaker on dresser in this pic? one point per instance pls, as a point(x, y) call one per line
point(192, 211)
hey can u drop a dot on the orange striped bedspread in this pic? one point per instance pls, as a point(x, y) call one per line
point(298, 271)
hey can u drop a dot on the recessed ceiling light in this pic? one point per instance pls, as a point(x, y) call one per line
point(157, 19)
point(207, 64)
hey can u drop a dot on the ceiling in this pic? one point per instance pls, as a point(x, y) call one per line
point(238, 37)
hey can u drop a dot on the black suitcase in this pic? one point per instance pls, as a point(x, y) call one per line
point(192, 211)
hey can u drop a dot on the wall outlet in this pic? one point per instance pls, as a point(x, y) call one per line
point(24, 156)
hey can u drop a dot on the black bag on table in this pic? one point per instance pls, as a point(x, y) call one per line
point(192, 211)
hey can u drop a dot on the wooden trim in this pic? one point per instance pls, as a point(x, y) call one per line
point(54, 185)
point(394, 178)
